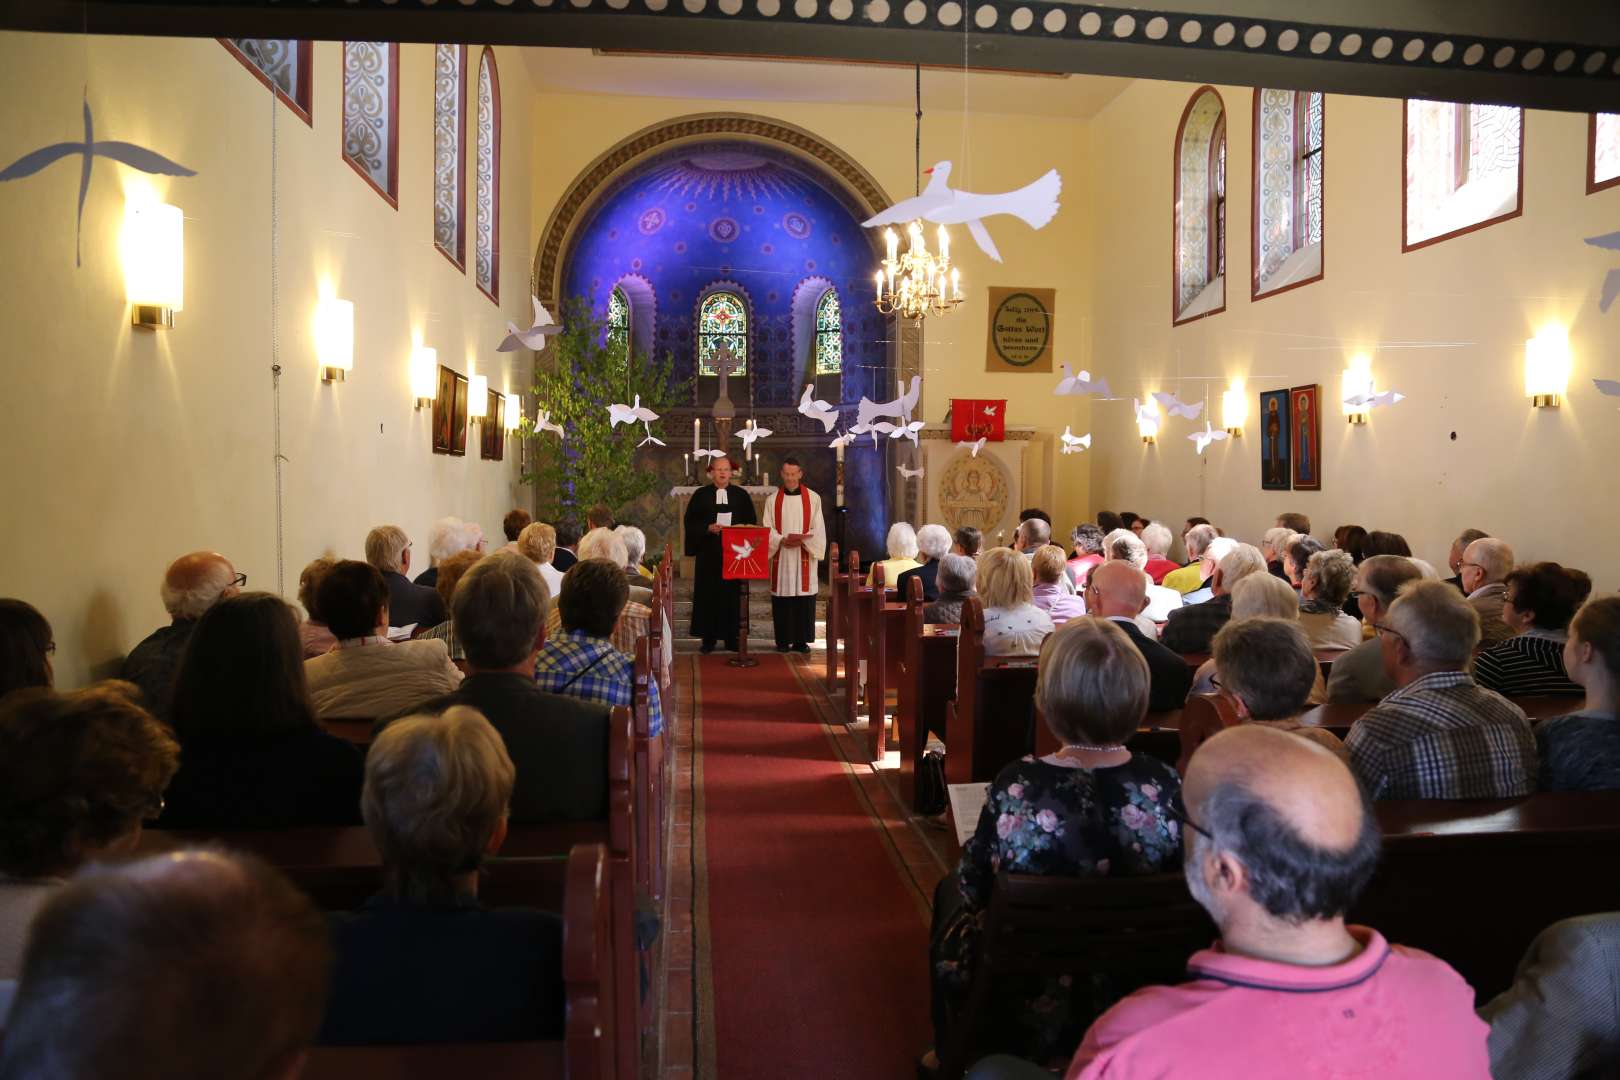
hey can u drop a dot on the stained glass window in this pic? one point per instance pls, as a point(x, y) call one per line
point(722, 320)
point(1288, 176)
point(1462, 167)
point(829, 335)
point(1605, 150)
point(449, 146)
point(280, 63)
point(487, 194)
point(1310, 153)
point(618, 322)
point(371, 114)
point(1200, 207)
point(1218, 197)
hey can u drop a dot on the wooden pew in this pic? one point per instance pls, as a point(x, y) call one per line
point(587, 1048)
point(882, 629)
point(835, 577)
point(992, 721)
point(650, 793)
point(926, 682)
point(849, 614)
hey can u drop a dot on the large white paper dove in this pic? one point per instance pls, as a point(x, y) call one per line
point(817, 410)
point(1373, 401)
point(1082, 383)
point(972, 447)
point(898, 431)
point(1202, 439)
point(900, 408)
point(535, 336)
point(909, 474)
point(1034, 204)
point(708, 453)
point(749, 434)
point(543, 422)
point(1176, 407)
point(630, 414)
point(1074, 444)
point(1147, 417)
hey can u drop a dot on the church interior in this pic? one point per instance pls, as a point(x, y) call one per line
point(1004, 270)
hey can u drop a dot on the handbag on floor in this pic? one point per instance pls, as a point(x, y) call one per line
point(931, 793)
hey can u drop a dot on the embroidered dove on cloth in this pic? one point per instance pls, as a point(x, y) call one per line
point(744, 551)
point(1373, 401)
point(542, 422)
point(1202, 439)
point(749, 434)
point(535, 336)
point(630, 414)
point(1176, 407)
point(972, 447)
point(1082, 384)
point(900, 408)
point(909, 474)
point(1074, 444)
point(817, 410)
point(1035, 204)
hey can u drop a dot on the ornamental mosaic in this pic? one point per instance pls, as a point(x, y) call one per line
point(1606, 148)
point(797, 226)
point(367, 130)
point(447, 148)
point(1290, 169)
point(277, 58)
point(726, 173)
point(723, 230)
point(487, 217)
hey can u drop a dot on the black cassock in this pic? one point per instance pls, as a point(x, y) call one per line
point(714, 602)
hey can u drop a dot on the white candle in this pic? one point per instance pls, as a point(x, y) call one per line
point(877, 283)
point(840, 453)
point(944, 245)
point(697, 429)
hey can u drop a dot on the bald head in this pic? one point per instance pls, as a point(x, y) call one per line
point(195, 582)
point(1292, 833)
point(1487, 561)
point(1116, 588)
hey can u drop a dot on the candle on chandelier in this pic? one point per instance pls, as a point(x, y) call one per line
point(893, 242)
point(956, 283)
point(877, 283)
point(944, 245)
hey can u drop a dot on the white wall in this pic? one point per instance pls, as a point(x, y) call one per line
point(126, 448)
point(1446, 325)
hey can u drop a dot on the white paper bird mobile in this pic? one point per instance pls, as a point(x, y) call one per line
point(651, 438)
point(1373, 401)
point(543, 422)
point(900, 407)
point(842, 440)
point(1176, 407)
point(909, 474)
point(535, 336)
point(898, 431)
point(1202, 439)
point(1082, 384)
point(1035, 204)
point(708, 453)
point(1611, 280)
point(630, 414)
point(1074, 444)
point(972, 447)
point(817, 410)
point(749, 434)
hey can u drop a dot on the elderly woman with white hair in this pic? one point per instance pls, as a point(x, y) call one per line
point(1260, 596)
point(1326, 584)
point(604, 543)
point(1013, 625)
point(635, 550)
point(902, 545)
point(448, 536)
point(957, 576)
point(933, 544)
point(1158, 538)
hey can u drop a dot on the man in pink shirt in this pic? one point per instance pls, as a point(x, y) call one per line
point(1279, 844)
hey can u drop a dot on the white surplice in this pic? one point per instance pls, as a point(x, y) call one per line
point(793, 569)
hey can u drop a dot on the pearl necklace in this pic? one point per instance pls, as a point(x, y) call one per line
point(1087, 748)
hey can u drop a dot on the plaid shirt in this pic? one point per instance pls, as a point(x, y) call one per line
point(446, 632)
point(576, 664)
point(1443, 737)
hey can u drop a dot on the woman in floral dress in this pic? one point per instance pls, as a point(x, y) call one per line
point(1092, 808)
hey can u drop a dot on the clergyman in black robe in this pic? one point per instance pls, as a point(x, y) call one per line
point(715, 602)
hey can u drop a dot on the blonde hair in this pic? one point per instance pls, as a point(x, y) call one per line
point(1093, 682)
point(1264, 596)
point(1049, 564)
point(538, 542)
point(1005, 579)
point(437, 788)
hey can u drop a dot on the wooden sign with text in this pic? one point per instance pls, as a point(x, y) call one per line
point(1021, 329)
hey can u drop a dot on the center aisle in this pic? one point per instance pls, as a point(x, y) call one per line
point(812, 949)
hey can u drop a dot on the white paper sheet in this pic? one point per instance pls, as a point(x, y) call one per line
point(723, 519)
point(967, 800)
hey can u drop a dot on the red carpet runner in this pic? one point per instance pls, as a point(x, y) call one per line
point(818, 954)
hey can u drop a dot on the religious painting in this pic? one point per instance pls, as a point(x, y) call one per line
point(492, 441)
point(1020, 334)
point(1306, 425)
point(450, 413)
point(974, 491)
point(1274, 440)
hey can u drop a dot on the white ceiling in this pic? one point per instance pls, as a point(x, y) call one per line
point(582, 71)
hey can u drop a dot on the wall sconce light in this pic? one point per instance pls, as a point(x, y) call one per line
point(334, 338)
point(478, 398)
point(1356, 384)
point(1147, 421)
point(1546, 367)
point(1234, 410)
point(514, 412)
point(424, 375)
point(154, 254)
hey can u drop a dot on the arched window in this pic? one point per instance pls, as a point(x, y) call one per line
point(1287, 218)
point(371, 114)
point(487, 227)
point(1603, 151)
point(449, 151)
point(829, 335)
point(1200, 208)
point(283, 65)
point(618, 322)
point(722, 320)
point(1464, 169)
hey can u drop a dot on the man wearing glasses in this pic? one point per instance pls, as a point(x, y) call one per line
point(193, 584)
point(1485, 565)
point(1359, 674)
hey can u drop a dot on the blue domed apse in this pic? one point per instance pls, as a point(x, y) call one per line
point(775, 230)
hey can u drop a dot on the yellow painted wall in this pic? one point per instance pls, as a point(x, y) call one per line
point(1004, 152)
point(1453, 318)
point(126, 448)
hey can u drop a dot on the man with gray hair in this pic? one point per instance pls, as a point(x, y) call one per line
point(192, 584)
point(1034, 533)
point(1438, 735)
point(1455, 558)
point(1484, 569)
point(956, 579)
point(1359, 675)
point(933, 544)
point(1192, 628)
point(559, 743)
point(1196, 574)
point(449, 536)
point(389, 550)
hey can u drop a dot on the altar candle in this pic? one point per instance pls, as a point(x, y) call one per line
point(840, 453)
point(687, 468)
point(697, 430)
point(748, 447)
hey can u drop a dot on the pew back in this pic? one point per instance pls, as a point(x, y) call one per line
point(850, 619)
point(835, 578)
point(991, 723)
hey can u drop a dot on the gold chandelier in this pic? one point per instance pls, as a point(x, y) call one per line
point(917, 283)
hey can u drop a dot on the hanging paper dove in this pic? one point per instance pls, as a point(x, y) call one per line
point(1074, 444)
point(1082, 384)
point(900, 407)
point(651, 438)
point(749, 434)
point(862, 429)
point(542, 422)
point(842, 440)
point(817, 410)
point(1611, 281)
point(909, 474)
point(136, 157)
point(1176, 407)
point(630, 414)
point(972, 447)
point(708, 453)
point(535, 336)
point(900, 431)
point(1373, 401)
point(1202, 439)
point(1034, 204)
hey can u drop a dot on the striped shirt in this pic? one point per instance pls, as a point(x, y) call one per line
point(1442, 737)
point(1531, 663)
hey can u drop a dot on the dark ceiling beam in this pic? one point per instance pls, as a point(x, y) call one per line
point(1552, 54)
